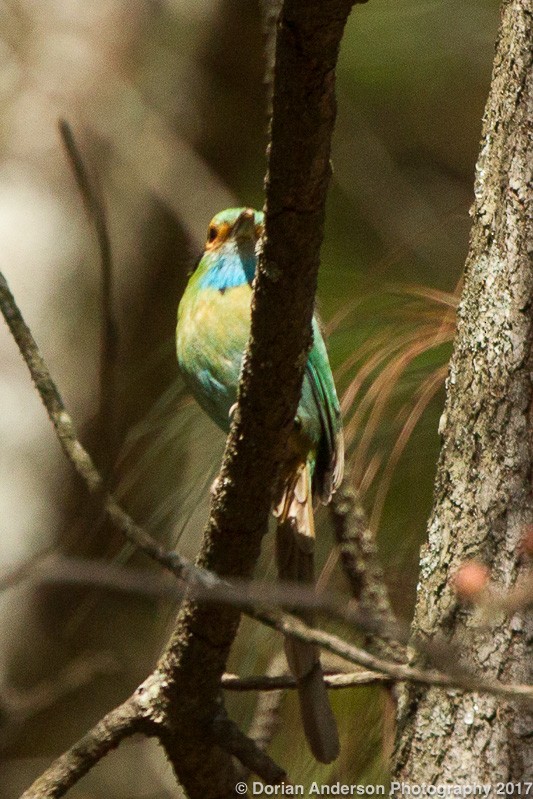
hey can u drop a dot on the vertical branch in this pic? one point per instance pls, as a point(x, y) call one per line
point(271, 9)
point(309, 35)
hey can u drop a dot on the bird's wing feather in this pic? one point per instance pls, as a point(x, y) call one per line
point(330, 454)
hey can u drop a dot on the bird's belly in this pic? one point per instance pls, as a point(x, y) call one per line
point(212, 333)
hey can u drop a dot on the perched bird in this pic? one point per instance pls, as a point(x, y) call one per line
point(212, 333)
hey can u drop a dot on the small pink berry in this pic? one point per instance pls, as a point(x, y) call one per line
point(471, 579)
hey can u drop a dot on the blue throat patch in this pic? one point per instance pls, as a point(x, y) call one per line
point(228, 270)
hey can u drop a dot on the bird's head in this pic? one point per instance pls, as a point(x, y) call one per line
point(230, 256)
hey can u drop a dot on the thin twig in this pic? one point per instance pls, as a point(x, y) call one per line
point(360, 562)
point(95, 206)
point(65, 772)
point(74, 450)
point(253, 597)
point(230, 738)
point(292, 626)
point(203, 586)
point(269, 684)
point(19, 705)
point(199, 584)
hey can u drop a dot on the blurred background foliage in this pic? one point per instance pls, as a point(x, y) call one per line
point(168, 102)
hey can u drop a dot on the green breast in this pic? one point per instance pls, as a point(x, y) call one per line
point(213, 328)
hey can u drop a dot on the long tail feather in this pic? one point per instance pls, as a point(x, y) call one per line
point(295, 542)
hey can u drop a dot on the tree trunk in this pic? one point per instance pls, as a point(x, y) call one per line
point(483, 486)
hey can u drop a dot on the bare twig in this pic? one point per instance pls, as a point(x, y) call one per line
point(268, 683)
point(266, 719)
point(230, 738)
point(18, 705)
point(95, 206)
point(254, 597)
point(74, 450)
point(204, 587)
point(362, 568)
point(121, 723)
point(292, 626)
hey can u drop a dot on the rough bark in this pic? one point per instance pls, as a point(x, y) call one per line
point(309, 35)
point(483, 487)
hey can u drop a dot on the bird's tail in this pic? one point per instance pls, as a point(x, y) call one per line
point(295, 543)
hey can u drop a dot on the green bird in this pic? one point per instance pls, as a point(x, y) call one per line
point(212, 333)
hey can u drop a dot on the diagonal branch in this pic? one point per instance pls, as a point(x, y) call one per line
point(360, 562)
point(120, 723)
point(72, 447)
point(261, 601)
point(229, 737)
point(142, 713)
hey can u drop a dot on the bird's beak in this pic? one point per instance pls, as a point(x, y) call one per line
point(244, 227)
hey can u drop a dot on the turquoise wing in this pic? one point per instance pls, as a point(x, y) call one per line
point(319, 397)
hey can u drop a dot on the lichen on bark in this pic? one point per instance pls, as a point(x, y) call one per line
point(483, 497)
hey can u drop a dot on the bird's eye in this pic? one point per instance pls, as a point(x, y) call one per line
point(211, 234)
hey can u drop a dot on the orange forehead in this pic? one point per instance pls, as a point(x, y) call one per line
point(218, 232)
